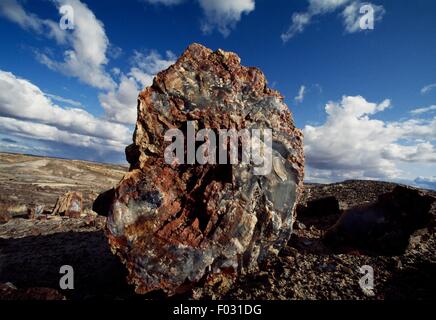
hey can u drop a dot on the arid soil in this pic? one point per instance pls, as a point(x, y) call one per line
point(33, 250)
point(308, 268)
point(27, 181)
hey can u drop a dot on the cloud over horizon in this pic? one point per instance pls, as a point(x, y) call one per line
point(87, 106)
point(88, 56)
point(26, 111)
point(353, 144)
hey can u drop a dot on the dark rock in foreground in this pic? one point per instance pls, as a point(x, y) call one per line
point(311, 268)
point(172, 224)
point(103, 202)
point(386, 224)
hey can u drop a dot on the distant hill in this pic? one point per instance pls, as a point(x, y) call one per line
point(35, 180)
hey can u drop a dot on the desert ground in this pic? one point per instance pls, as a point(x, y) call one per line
point(34, 246)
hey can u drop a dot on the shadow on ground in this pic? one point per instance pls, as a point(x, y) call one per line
point(416, 282)
point(35, 262)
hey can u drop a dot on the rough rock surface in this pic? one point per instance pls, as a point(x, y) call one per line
point(172, 224)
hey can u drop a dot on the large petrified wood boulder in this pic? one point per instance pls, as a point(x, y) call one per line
point(173, 224)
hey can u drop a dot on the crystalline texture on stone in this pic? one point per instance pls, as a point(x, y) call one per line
point(174, 224)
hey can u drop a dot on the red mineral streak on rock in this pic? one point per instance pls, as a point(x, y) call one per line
point(171, 224)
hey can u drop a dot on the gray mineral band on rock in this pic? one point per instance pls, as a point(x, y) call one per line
point(175, 224)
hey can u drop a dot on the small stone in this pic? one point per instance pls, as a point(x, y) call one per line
point(399, 265)
point(299, 225)
point(307, 242)
point(347, 269)
point(368, 292)
point(329, 267)
point(289, 251)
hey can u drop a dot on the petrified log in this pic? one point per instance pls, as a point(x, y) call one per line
point(172, 224)
point(69, 204)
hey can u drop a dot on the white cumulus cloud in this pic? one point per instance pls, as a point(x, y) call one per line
point(86, 56)
point(27, 111)
point(353, 144)
point(13, 10)
point(87, 45)
point(120, 104)
point(70, 102)
point(224, 14)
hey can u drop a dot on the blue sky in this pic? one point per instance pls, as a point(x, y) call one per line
point(364, 98)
